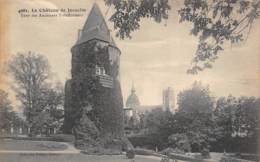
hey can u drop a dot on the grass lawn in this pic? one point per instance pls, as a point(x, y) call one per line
point(31, 145)
point(73, 158)
point(27, 145)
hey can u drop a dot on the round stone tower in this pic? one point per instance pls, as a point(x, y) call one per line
point(94, 86)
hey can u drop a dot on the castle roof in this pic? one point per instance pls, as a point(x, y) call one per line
point(95, 28)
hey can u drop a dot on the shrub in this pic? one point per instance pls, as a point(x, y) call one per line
point(63, 138)
point(205, 153)
point(127, 145)
point(139, 151)
point(171, 150)
point(145, 141)
point(99, 150)
point(130, 154)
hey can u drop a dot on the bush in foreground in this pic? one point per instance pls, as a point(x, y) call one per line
point(130, 154)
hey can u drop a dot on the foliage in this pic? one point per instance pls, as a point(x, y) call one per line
point(8, 117)
point(52, 113)
point(5, 111)
point(104, 105)
point(247, 116)
point(196, 100)
point(202, 124)
point(191, 128)
point(86, 89)
point(214, 22)
point(85, 131)
point(128, 14)
point(149, 141)
point(160, 127)
point(30, 73)
point(39, 100)
point(53, 100)
point(225, 111)
point(237, 121)
point(179, 141)
point(155, 119)
point(195, 107)
point(130, 154)
point(205, 153)
point(197, 131)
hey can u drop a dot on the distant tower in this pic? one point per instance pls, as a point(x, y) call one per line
point(168, 99)
point(132, 107)
point(132, 100)
point(95, 78)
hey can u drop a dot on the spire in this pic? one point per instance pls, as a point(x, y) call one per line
point(95, 28)
point(132, 100)
point(133, 88)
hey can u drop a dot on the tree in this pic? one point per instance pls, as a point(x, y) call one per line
point(155, 119)
point(31, 73)
point(196, 100)
point(5, 111)
point(245, 123)
point(8, 117)
point(237, 120)
point(225, 116)
point(214, 22)
point(52, 101)
point(179, 141)
point(159, 127)
point(195, 116)
point(198, 128)
point(193, 122)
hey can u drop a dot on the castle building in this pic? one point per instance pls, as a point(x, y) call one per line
point(131, 113)
point(134, 112)
point(132, 105)
point(95, 78)
point(133, 108)
point(168, 99)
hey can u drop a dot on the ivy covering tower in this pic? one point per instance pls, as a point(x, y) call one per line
point(94, 91)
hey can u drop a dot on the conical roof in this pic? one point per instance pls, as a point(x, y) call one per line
point(95, 28)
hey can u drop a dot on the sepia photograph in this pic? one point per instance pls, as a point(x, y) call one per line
point(129, 80)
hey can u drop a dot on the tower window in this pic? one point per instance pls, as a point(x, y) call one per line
point(100, 70)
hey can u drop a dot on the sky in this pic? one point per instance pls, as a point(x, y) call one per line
point(156, 57)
